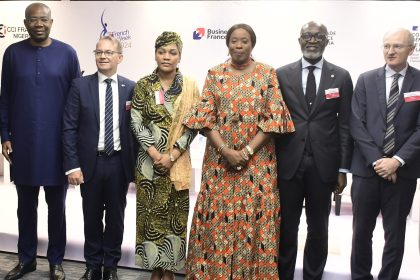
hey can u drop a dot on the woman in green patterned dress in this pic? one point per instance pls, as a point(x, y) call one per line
point(163, 168)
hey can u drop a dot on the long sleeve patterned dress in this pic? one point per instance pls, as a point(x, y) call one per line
point(162, 211)
point(235, 227)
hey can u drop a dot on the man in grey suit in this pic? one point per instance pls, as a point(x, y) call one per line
point(312, 162)
point(385, 124)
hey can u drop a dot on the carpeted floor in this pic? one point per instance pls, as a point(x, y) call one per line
point(74, 270)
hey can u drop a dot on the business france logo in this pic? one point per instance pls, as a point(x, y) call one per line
point(123, 35)
point(415, 57)
point(199, 33)
point(210, 33)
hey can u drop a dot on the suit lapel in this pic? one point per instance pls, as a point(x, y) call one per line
point(406, 86)
point(327, 78)
point(296, 75)
point(122, 92)
point(94, 94)
point(381, 89)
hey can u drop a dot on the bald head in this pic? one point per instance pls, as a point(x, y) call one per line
point(35, 6)
point(315, 24)
point(404, 33)
point(313, 40)
point(398, 45)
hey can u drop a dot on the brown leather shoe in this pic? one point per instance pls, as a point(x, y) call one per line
point(21, 269)
point(92, 274)
point(110, 274)
point(57, 272)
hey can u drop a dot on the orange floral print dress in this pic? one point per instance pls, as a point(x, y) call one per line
point(235, 227)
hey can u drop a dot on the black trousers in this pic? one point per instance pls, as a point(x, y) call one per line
point(104, 195)
point(306, 186)
point(27, 213)
point(371, 196)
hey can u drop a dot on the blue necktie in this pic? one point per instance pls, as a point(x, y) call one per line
point(389, 140)
point(109, 137)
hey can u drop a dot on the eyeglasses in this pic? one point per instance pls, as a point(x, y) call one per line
point(106, 53)
point(317, 36)
point(396, 47)
point(33, 20)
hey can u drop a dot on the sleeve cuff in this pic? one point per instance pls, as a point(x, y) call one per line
point(72, 170)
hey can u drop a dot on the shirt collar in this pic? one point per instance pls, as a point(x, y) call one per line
point(318, 65)
point(389, 72)
point(102, 77)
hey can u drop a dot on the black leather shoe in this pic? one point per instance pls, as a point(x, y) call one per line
point(110, 274)
point(57, 272)
point(20, 270)
point(92, 274)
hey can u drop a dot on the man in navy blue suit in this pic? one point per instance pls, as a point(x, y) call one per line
point(99, 156)
point(36, 77)
point(385, 125)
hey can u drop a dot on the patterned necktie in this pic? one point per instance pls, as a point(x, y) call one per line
point(310, 93)
point(389, 140)
point(109, 138)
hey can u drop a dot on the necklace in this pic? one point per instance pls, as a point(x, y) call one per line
point(241, 66)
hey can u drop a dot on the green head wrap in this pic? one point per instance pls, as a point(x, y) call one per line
point(168, 38)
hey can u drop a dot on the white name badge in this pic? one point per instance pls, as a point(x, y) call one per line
point(332, 93)
point(157, 97)
point(412, 96)
point(127, 105)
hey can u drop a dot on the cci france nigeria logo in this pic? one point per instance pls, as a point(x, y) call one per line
point(199, 33)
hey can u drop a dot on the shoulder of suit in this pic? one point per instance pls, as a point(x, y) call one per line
point(289, 67)
point(126, 80)
point(334, 67)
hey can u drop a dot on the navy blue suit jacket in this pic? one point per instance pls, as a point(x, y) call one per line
point(81, 126)
point(368, 123)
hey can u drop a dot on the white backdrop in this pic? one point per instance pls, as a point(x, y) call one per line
point(356, 30)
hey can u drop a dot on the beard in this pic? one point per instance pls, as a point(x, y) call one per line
point(312, 54)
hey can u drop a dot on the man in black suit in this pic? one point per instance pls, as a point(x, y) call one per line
point(385, 124)
point(99, 156)
point(312, 162)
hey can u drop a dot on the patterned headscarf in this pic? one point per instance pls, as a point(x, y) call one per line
point(168, 38)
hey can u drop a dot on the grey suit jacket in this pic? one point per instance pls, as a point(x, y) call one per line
point(326, 125)
point(368, 123)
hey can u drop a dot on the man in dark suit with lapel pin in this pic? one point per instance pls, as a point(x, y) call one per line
point(385, 124)
point(99, 156)
point(312, 163)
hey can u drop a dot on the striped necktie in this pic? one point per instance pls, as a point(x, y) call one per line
point(109, 137)
point(389, 140)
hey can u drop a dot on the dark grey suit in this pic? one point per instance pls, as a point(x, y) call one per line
point(311, 175)
point(370, 193)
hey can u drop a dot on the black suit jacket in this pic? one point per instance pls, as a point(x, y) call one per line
point(368, 123)
point(326, 125)
point(81, 126)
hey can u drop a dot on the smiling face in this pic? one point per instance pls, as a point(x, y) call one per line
point(313, 40)
point(397, 46)
point(109, 58)
point(167, 58)
point(38, 22)
point(240, 46)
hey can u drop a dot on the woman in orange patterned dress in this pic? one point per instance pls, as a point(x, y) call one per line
point(235, 227)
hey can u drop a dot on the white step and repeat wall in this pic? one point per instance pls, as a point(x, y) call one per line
point(355, 32)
